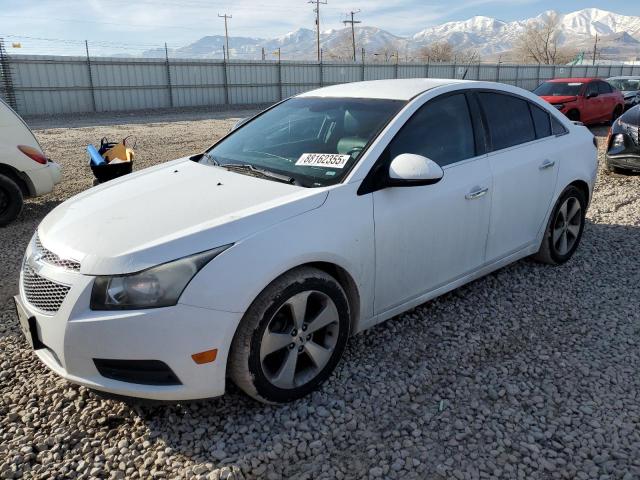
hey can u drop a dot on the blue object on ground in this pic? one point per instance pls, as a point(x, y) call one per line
point(95, 157)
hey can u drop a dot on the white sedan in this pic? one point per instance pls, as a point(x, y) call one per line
point(318, 218)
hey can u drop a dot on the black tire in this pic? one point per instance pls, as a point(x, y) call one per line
point(11, 200)
point(549, 252)
point(245, 367)
point(616, 113)
point(574, 115)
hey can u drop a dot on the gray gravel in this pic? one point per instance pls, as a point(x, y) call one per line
point(530, 373)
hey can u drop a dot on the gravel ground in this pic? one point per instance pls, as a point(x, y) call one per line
point(529, 373)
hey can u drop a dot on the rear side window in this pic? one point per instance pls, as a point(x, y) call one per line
point(541, 121)
point(508, 120)
point(604, 88)
point(441, 130)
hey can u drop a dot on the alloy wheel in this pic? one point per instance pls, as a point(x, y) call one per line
point(300, 339)
point(566, 226)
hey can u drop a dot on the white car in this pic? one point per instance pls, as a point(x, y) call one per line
point(24, 169)
point(318, 218)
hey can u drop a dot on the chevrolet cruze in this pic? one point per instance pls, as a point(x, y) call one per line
point(322, 216)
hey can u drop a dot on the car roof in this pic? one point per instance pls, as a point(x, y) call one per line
point(625, 77)
point(394, 89)
point(574, 80)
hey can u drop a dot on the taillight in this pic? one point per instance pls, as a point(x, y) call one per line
point(33, 154)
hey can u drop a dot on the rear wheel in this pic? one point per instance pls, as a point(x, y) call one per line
point(11, 200)
point(291, 337)
point(564, 231)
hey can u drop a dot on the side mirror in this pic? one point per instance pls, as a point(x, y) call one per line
point(592, 95)
point(408, 169)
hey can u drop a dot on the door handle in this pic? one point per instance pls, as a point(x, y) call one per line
point(547, 164)
point(476, 193)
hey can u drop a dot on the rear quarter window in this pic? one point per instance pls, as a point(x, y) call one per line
point(541, 121)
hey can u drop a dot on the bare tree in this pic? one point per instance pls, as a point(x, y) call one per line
point(437, 52)
point(540, 43)
point(341, 48)
point(446, 52)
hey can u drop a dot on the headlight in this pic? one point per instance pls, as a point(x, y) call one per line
point(618, 141)
point(159, 286)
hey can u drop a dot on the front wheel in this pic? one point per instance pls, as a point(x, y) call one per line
point(564, 229)
point(616, 113)
point(291, 337)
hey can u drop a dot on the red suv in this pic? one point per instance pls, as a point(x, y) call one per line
point(588, 100)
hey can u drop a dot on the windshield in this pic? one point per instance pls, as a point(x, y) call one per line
point(558, 89)
point(625, 84)
point(315, 141)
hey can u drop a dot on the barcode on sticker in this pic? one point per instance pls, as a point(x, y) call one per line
point(328, 160)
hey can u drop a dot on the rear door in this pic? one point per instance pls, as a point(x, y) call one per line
point(524, 161)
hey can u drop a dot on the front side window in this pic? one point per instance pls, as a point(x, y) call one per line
point(591, 89)
point(313, 141)
point(558, 89)
point(441, 130)
point(508, 120)
point(604, 88)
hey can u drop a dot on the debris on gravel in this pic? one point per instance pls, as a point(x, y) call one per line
point(531, 372)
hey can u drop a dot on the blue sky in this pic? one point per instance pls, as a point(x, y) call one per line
point(132, 24)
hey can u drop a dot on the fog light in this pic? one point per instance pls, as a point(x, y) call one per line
point(205, 357)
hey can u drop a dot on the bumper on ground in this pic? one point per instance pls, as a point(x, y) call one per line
point(627, 161)
point(43, 179)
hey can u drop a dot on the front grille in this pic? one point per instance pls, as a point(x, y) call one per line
point(51, 258)
point(45, 295)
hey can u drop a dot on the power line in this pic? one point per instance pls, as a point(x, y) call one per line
point(317, 10)
point(353, 31)
point(226, 32)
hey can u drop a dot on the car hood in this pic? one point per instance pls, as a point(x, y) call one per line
point(629, 93)
point(167, 212)
point(554, 99)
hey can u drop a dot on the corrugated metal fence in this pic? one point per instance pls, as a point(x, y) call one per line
point(54, 85)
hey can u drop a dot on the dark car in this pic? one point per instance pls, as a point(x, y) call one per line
point(623, 142)
point(630, 88)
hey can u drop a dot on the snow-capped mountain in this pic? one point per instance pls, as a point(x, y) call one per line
point(619, 34)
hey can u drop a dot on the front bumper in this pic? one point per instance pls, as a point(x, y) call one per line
point(43, 179)
point(74, 336)
point(628, 161)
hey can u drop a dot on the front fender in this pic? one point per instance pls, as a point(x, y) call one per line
point(340, 232)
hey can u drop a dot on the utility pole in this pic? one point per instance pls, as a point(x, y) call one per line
point(353, 32)
point(226, 33)
point(317, 11)
point(595, 50)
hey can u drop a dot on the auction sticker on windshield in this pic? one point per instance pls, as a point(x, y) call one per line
point(328, 160)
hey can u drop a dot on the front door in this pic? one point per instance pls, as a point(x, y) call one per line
point(428, 236)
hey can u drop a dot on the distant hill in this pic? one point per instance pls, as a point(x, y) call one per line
point(619, 35)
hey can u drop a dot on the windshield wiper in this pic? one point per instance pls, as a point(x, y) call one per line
point(265, 173)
